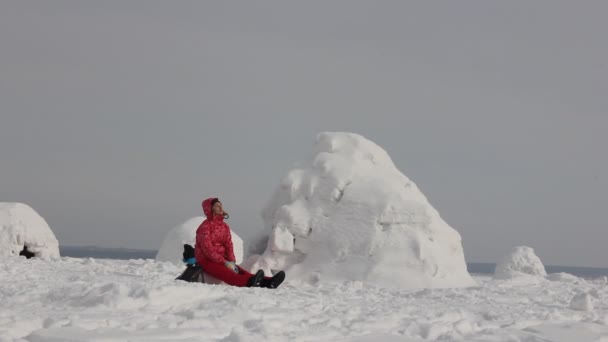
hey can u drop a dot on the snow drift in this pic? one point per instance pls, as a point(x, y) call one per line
point(173, 246)
point(349, 214)
point(85, 300)
point(521, 261)
point(21, 226)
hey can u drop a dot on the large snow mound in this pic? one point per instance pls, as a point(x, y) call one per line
point(173, 246)
point(21, 226)
point(522, 261)
point(349, 214)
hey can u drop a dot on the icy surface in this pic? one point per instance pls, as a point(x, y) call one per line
point(21, 226)
point(522, 261)
point(138, 300)
point(173, 246)
point(349, 214)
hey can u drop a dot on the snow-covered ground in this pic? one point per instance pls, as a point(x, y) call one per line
point(71, 299)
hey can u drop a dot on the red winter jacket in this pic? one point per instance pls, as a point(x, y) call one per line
point(213, 239)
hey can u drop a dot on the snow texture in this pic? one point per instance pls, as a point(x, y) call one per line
point(21, 226)
point(349, 214)
point(564, 277)
point(522, 261)
point(74, 300)
point(582, 302)
point(173, 246)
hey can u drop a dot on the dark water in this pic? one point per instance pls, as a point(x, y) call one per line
point(126, 254)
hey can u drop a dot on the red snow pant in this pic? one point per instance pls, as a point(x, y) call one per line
point(225, 274)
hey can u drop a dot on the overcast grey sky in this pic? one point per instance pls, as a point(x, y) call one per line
point(118, 117)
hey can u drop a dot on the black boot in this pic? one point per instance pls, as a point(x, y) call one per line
point(275, 281)
point(256, 279)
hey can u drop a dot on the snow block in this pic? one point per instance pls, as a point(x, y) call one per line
point(522, 261)
point(582, 302)
point(21, 226)
point(348, 214)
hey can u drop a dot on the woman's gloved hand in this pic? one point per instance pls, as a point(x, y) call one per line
point(231, 265)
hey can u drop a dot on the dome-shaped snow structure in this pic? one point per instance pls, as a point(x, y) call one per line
point(521, 261)
point(350, 214)
point(23, 230)
point(173, 246)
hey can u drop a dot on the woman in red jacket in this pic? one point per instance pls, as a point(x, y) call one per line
point(215, 253)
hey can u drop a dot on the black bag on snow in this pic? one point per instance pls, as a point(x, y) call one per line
point(193, 272)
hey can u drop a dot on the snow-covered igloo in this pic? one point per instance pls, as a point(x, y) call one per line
point(173, 245)
point(23, 231)
point(349, 214)
point(522, 261)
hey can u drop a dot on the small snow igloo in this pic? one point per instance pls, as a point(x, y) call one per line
point(348, 214)
point(173, 246)
point(24, 232)
point(522, 261)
